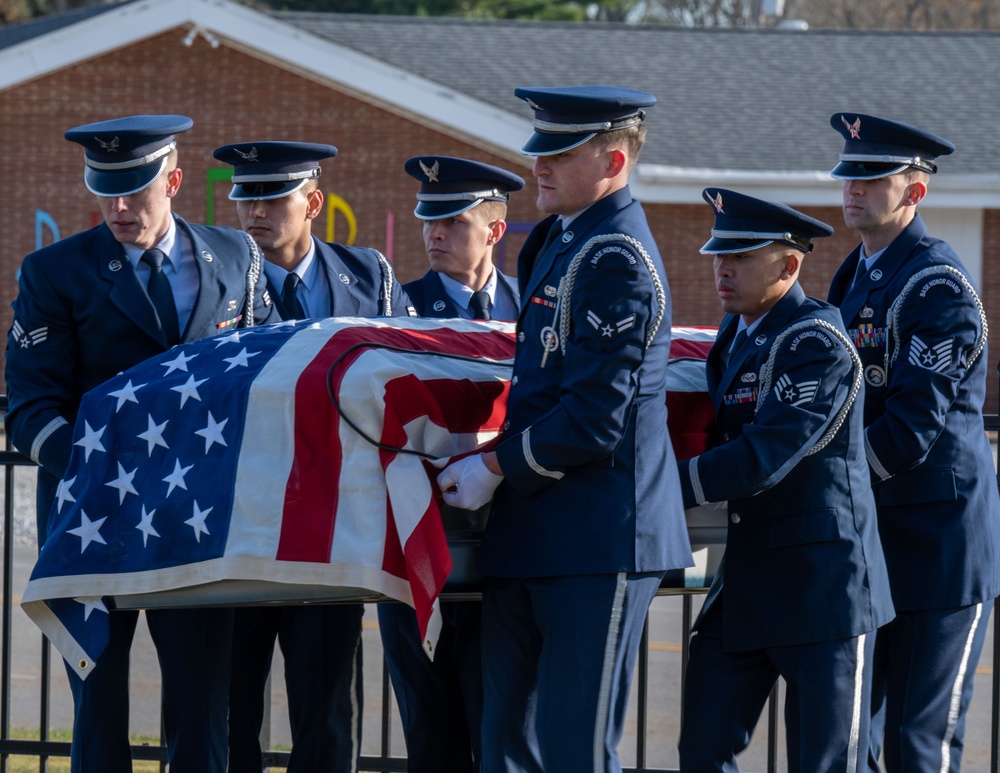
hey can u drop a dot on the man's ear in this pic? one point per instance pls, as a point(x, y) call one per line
point(617, 163)
point(915, 193)
point(793, 261)
point(314, 203)
point(497, 230)
point(174, 177)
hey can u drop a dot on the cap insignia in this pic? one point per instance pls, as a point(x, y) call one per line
point(431, 172)
point(853, 128)
point(111, 146)
point(249, 156)
point(717, 203)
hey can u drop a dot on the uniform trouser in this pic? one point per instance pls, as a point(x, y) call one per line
point(826, 702)
point(321, 645)
point(925, 665)
point(193, 647)
point(440, 700)
point(558, 656)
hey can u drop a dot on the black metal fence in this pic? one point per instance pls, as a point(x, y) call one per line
point(384, 762)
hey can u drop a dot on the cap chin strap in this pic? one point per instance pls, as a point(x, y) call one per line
point(748, 236)
point(550, 127)
point(916, 161)
point(490, 195)
point(120, 165)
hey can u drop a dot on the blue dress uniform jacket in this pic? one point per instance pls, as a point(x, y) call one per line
point(431, 300)
point(932, 466)
point(371, 288)
point(82, 316)
point(590, 478)
point(803, 561)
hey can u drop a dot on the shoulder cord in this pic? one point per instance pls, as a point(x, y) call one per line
point(767, 373)
point(388, 279)
point(894, 345)
point(253, 274)
point(569, 279)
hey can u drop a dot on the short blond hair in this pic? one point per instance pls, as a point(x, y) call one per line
point(490, 211)
point(630, 140)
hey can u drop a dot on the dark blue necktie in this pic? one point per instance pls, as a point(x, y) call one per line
point(158, 289)
point(290, 297)
point(859, 273)
point(554, 231)
point(480, 305)
point(737, 343)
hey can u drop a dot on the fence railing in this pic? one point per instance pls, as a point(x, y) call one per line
point(44, 748)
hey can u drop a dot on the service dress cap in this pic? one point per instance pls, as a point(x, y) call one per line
point(450, 186)
point(270, 169)
point(877, 147)
point(743, 223)
point(568, 116)
point(124, 155)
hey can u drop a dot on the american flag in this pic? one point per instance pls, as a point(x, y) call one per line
point(223, 470)
point(265, 465)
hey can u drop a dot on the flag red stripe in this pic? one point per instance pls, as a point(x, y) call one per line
point(317, 459)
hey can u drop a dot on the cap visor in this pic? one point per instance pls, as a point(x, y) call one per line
point(716, 246)
point(121, 183)
point(435, 210)
point(853, 170)
point(251, 191)
point(540, 144)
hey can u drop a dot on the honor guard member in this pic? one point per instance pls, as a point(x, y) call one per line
point(277, 195)
point(89, 307)
point(462, 205)
point(803, 584)
point(587, 514)
point(920, 330)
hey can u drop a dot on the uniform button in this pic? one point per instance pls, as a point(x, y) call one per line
point(520, 337)
point(513, 381)
point(734, 517)
point(506, 424)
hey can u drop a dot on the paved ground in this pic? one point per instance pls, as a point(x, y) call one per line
point(664, 677)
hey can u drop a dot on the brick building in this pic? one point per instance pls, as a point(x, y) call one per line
point(745, 109)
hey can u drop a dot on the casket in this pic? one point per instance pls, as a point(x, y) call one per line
point(295, 463)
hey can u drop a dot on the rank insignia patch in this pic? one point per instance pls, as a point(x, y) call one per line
point(28, 339)
point(795, 394)
point(936, 358)
point(610, 329)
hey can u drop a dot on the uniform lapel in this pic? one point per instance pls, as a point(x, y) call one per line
point(886, 267)
point(127, 291)
point(762, 336)
point(435, 295)
point(211, 292)
point(572, 239)
point(343, 301)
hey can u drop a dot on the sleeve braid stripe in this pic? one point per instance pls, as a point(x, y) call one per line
point(567, 282)
point(767, 376)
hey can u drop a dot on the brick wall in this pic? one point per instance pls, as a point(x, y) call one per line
point(234, 97)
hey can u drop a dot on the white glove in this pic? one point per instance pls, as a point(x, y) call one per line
point(468, 483)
